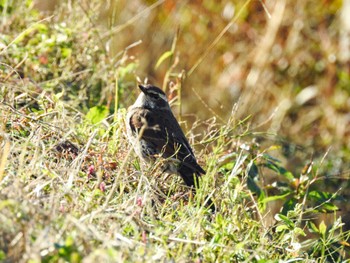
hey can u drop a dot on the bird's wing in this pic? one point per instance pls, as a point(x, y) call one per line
point(168, 138)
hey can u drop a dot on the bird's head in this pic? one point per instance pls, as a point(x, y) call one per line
point(152, 97)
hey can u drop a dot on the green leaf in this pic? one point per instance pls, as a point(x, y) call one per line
point(280, 170)
point(329, 207)
point(280, 217)
point(219, 219)
point(323, 228)
point(323, 199)
point(163, 57)
point(270, 158)
point(299, 231)
point(96, 114)
point(229, 166)
point(276, 197)
point(318, 195)
point(281, 228)
point(312, 227)
point(323, 196)
point(286, 220)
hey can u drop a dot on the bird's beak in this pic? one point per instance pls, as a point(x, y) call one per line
point(142, 88)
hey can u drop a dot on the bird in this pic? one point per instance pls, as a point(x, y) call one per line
point(155, 134)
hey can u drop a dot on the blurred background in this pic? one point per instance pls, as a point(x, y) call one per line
point(284, 63)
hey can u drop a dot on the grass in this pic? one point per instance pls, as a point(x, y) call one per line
point(72, 190)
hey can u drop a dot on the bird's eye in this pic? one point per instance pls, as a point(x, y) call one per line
point(154, 96)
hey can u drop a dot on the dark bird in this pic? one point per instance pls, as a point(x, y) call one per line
point(155, 133)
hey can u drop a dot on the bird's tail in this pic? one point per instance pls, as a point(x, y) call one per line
point(191, 179)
